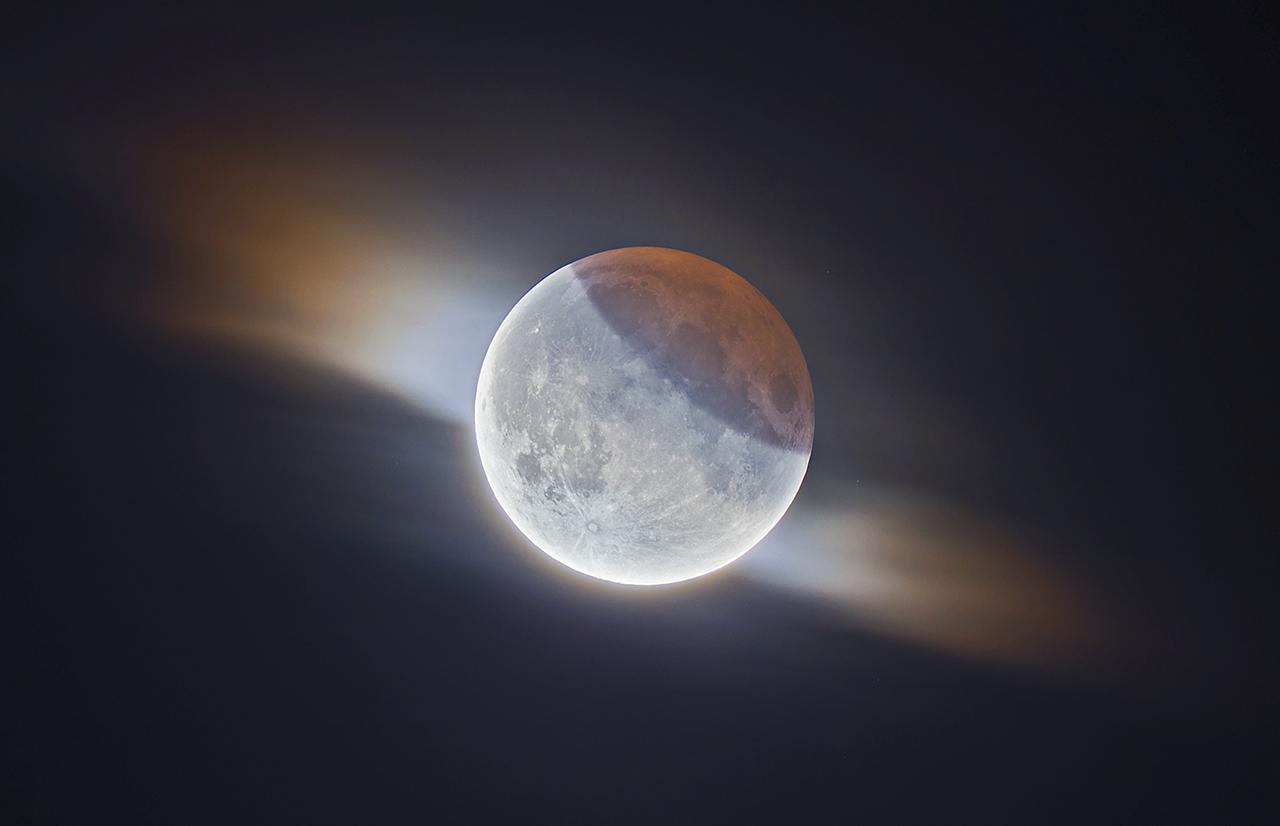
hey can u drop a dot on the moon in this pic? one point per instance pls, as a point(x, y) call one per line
point(644, 416)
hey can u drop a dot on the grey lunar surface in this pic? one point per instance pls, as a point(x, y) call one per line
point(644, 416)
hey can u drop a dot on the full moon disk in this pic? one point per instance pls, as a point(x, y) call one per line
point(644, 415)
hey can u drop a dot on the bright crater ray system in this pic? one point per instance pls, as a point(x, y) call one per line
point(644, 416)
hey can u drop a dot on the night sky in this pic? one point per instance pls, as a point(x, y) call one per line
point(254, 574)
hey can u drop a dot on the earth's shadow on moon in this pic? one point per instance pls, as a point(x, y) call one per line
point(712, 334)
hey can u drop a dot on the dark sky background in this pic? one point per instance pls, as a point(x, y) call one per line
point(253, 577)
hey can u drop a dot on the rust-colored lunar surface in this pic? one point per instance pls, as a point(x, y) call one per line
point(644, 415)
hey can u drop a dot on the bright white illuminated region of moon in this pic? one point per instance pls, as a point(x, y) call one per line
point(644, 416)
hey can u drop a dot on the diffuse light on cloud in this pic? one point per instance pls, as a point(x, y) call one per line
point(289, 247)
point(286, 247)
point(913, 567)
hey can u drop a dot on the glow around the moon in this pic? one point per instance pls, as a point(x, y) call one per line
point(644, 416)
